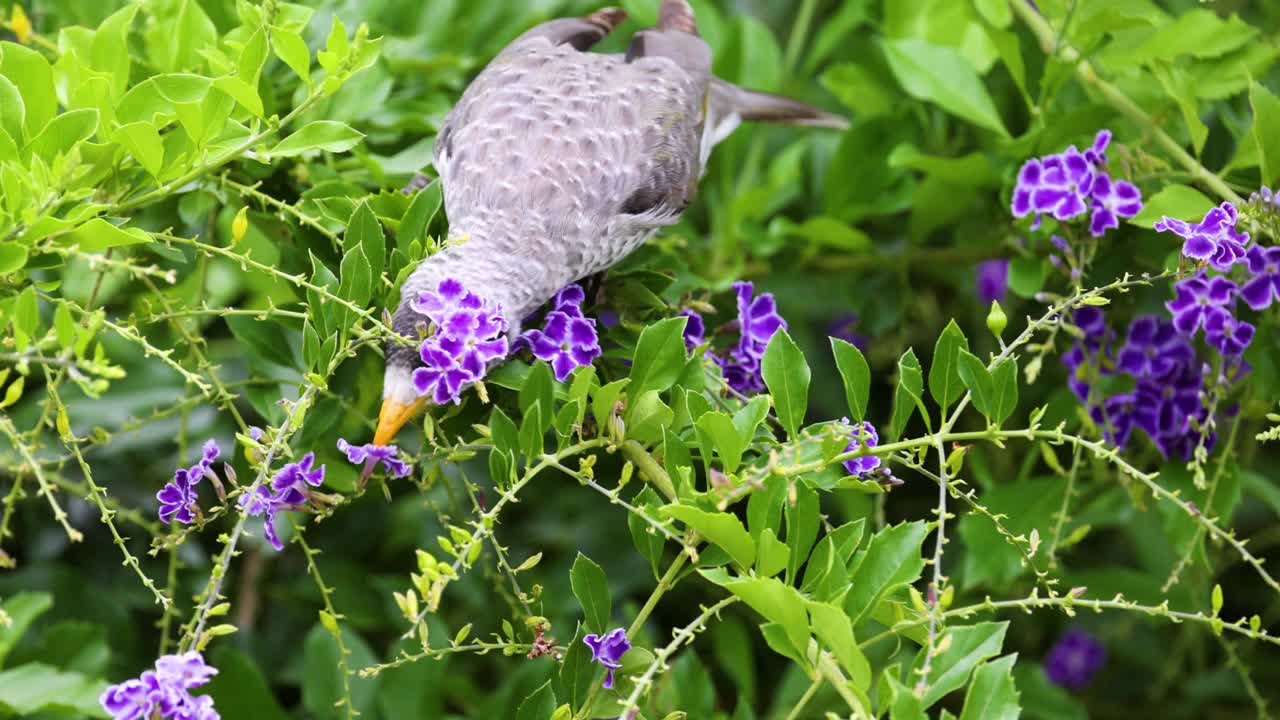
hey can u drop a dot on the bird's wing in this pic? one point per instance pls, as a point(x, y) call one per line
point(550, 130)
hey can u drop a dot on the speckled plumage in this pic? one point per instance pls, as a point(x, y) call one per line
point(556, 163)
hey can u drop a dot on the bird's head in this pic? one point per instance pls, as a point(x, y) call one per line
point(453, 285)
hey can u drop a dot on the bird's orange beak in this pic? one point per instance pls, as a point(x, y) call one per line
point(393, 416)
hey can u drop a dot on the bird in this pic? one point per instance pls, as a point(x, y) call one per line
point(558, 162)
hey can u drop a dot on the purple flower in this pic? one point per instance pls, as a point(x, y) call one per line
point(1116, 416)
point(1097, 154)
point(864, 435)
point(1154, 348)
point(1056, 184)
point(287, 489)
point(569, 300)
point(993, 281)
point(1112, 200)
point(1264, 265)
point(469, 336)
point(1093, 324)
point(844, 328)
point(385, 454)
point(1265, 200)
point(1163, 408)
point(566, 342)
point(758, 320)
point(448, 298)
point(1074, 659)
point(185, 671)
point(1200, 299)
point(164, 692)
point(1214, 239)
point(1228, 335)
point(290, 483)
point(608, 650)
point(178, 499)
point(695, 329)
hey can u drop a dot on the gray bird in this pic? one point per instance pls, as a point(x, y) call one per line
point(558, 162)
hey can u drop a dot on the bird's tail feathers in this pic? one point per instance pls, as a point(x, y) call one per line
point(753, 106)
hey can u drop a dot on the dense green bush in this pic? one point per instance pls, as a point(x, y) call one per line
point(201, 223)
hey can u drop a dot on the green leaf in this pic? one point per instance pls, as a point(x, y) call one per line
point(1004, 383)
point(772, 554)
point(721, 528)
point(263, 338)
point(365, 231)
point(33, 688)
point(13, 111)
point(969, 645)
point(909, 394)
point(647, 540)
point(1198, 32)
point(98, 234)
point(253, 58)
point(33, 76)
point(239, 689)
point(1178, 85)
point(13, 257)
point(944, 375)
point(1178, 201)
point(648, 418)
point(891, 561)
point(356, 281)
point(1266, 131)
point(835, 631)
point(293, 51)
point(539, 705)
point(786, 373)
point(322, 681)
point(776, 601)
point(539, 388)
point(803, 523)
point(577, 671)
point(180, 31)
point(142, 140)
point(591, 587)
point(721, 437)
point(996, 12)
point(856, 375)
point(973, 372)
point(242, 92)
point(943, 76)
point(22, 609)
point(992, 695)
point(1027, 276)
point(326, 135)
point(659, 357)
point(64, 133)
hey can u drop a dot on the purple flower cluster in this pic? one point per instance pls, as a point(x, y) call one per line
point(1214, 240)
point(1070, 184)
point(568, 339)
point(374, 454)
point(695, 329)
point(758, 320)
point(469, 335)
point(1208, 302)
point(1074, 659)
point(608, 651)
point(178, 498)
point(1265, 200)
point(288, 489)
point(164, 692)
point(863, 435)
point(1166, 401)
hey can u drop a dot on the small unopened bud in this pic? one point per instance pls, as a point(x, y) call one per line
point(997, 321)
point(240, 225)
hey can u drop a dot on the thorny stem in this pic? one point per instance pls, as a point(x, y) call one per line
point(326, 596)
point(1060, 521)
point(1185, 560)
point(218, 576)
point(682, 636)
point(828, 669)
point(479, 648)
point(1116, 97)
point(1068, 604)
point(11, 432)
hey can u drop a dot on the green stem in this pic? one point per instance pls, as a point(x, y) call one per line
point(1118, 100)
point(650, 467)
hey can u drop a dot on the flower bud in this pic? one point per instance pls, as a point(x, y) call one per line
point(240, 225)
point(997, 321)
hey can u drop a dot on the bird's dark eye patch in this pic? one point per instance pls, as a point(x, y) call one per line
point(642, 201)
